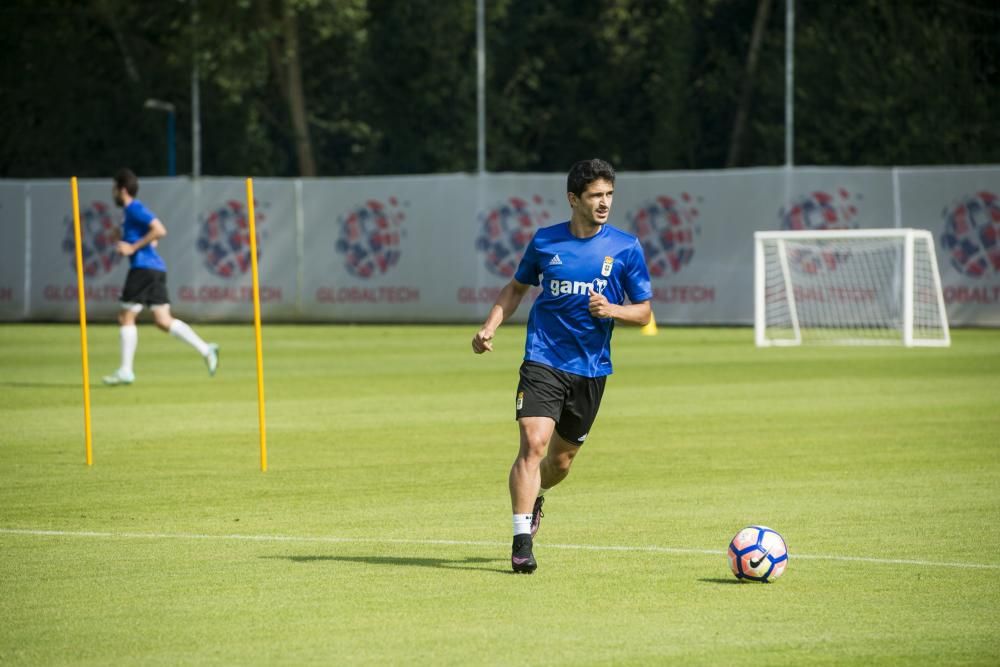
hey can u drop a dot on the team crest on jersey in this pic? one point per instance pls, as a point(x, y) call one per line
point(609, 263)
point(520, 400)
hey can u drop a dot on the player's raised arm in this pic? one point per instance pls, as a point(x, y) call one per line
point(507, 302)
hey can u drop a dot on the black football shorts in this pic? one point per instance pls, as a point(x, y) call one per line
point(146, 287)
point(571, 400)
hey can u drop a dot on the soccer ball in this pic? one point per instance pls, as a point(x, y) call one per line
point(758, 553)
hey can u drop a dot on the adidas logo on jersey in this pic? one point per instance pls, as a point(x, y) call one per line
point(555, 260)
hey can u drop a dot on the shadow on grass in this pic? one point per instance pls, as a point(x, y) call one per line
point(722, 580)
point(443, 563)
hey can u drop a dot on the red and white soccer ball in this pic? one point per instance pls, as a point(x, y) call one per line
point(758, 553)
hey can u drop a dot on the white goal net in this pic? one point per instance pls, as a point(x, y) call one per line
point(848, 287)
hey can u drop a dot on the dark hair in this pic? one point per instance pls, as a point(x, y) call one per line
point(585, 172)
point(127, 181)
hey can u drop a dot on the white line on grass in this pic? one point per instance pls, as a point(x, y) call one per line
point(469, 543)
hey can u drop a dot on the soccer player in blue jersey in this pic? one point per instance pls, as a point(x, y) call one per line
point(591, 275)
point(146, 283)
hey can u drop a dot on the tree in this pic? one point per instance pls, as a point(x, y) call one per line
point(420, 79)
point(742, 111)
point(350, 87)
point(73, 85)
point(891, 83)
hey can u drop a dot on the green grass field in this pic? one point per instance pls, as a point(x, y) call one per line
point(381, 532)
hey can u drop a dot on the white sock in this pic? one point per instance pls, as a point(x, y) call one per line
point(522, 524)
point(181, 330)
point(130, 340)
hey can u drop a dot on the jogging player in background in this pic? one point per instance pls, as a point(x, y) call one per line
point(587, 269)
point(146, 283)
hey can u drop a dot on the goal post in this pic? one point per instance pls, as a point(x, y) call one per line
point(848, 287)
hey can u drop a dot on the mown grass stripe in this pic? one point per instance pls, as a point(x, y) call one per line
point(471, 543)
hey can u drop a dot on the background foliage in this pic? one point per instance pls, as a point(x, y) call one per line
point(349, 87)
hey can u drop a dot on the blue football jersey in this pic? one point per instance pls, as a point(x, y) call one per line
point(134, 227)
point(561, 331)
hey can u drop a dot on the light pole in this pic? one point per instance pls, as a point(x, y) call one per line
point(789, 98)
point(195, 97)
point(481, 86)
point(160, 105)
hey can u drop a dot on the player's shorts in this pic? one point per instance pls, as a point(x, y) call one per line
point(145, 287)
point(571, 400)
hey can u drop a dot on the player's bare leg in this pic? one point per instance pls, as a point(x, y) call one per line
point(555, 466)
point(525, 474)
point(162, 317)
point(524, 482)
point(553, 469)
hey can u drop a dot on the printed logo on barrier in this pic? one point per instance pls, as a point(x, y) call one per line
point(971, 234)
point(224, 239)
point(506, 229)
point(97, 235)
point(815, 211)
point(371, 237)
point(666, 228)
point(820, 210)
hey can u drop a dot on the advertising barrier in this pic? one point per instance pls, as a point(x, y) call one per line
point(439, 248)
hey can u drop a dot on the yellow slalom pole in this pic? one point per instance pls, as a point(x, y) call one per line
point(256, 327)
point(83, 318)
